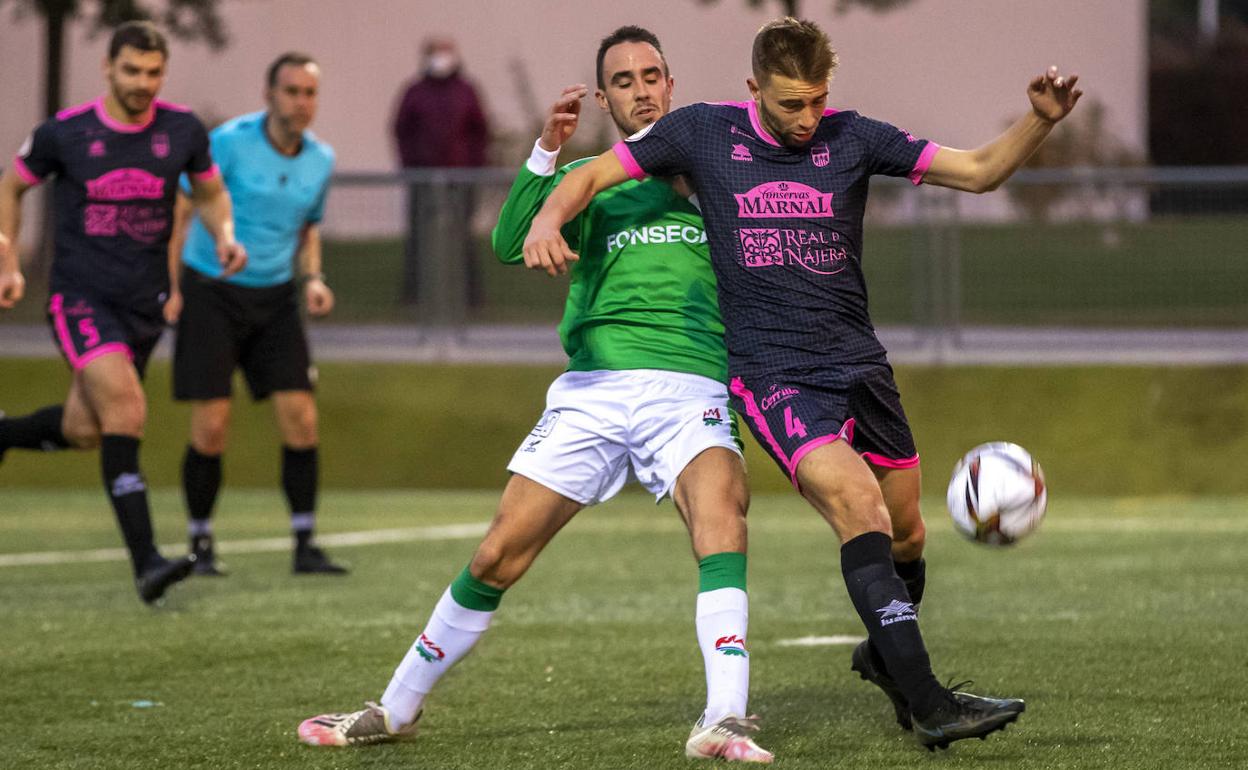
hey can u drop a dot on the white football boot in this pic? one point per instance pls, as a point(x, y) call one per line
point(729, 739)
point(370, 725)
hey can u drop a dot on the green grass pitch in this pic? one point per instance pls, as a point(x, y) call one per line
point(1122, 622)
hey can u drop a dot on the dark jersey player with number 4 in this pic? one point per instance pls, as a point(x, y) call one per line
point(116, 163)
point(782, 182)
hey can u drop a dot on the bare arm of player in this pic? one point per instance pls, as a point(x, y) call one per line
point(544, 247)
point(316, 293)
point(984, 169)
point(217, 214)
point(182, 212)
point(12, 282)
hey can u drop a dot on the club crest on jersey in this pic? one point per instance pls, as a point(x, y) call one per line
point(820, 154)
point(733, 646)
point(741, 152)
point(784, 200)
point(760, 246)
point(96, 150)
point(713, 416)
point(160, 144)
point(428, 650)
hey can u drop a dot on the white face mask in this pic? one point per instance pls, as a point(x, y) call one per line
point(443, 64)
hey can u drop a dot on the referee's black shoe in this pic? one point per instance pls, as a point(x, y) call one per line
point(862, 663)
point(161, 573)
point(965, 715)
point(310, 560)
point(206, 564)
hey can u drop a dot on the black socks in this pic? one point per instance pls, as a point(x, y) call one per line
point(886, 609)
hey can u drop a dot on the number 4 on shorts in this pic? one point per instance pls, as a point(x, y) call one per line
point(793, 426)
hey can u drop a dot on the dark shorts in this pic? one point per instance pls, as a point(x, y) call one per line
point(224, 327)
point(790, 414)
point(86, 327)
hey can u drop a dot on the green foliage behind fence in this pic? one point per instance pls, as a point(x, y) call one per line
point(1096, 430)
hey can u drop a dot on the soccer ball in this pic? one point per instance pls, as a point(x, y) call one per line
point(997, 494)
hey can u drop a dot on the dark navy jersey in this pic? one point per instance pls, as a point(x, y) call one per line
point(785, 225)
point(115, 188)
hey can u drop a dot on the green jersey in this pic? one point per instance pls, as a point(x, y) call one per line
point(642, 295)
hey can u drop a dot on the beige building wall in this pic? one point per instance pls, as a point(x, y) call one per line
point(951, 70)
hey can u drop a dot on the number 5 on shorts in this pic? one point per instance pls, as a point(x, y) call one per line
point(793, 426)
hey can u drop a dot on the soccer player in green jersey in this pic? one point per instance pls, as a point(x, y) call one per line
point(644, 396)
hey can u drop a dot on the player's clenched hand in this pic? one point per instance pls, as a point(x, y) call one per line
point(545, 249)
point(1053, 96)
point(562, 118)
point(232, 256)
point(319, 297)
point(172, 310)
point(12, 289)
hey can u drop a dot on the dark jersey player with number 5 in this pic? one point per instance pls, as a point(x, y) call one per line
point(116, 162)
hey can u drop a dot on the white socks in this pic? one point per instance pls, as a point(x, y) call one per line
point(451, 633)
point(722, 617)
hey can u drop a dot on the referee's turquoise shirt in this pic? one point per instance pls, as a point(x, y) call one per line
point(274, 196)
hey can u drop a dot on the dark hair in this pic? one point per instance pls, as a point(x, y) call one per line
point(629, 34)
point(794, 48)
point(142, 35)
point(294, 58)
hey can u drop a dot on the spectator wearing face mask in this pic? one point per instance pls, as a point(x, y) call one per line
point(440, 123)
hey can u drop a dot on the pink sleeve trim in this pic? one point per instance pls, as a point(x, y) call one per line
point(23, 171)
point(923, 163)
point(628, 161)
point(202, 176)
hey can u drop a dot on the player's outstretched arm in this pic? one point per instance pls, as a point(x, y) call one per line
point(984, 169)
point(544, 247)
point(217, 214)
point(538, 177)
point(12, 282)
point(316, 293)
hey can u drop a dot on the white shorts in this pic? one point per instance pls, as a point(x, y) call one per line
point(602, 427)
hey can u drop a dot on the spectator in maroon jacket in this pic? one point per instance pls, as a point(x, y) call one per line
point(440, 123)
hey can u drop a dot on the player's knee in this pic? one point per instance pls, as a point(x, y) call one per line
point(125, 413)
point(908, 543)
point(81, 434)
point(299, 426)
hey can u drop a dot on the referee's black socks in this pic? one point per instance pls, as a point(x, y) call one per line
point(39, 430)
point(299, 481)
point(127, 491)
point(201, 481)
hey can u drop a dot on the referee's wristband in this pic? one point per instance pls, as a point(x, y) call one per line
point(312, 277)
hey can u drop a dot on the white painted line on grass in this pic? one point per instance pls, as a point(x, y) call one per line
point(822, 641)
point(261, 545)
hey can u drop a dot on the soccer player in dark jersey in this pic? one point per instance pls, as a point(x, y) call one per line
point(277, 172)
point(782, 181)
point(116, 161)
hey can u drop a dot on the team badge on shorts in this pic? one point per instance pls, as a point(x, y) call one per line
point(541, 430)
point(713, 416)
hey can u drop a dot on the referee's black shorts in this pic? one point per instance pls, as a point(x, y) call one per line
point(224, 327)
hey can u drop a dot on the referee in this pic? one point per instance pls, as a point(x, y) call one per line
point(278, 174)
